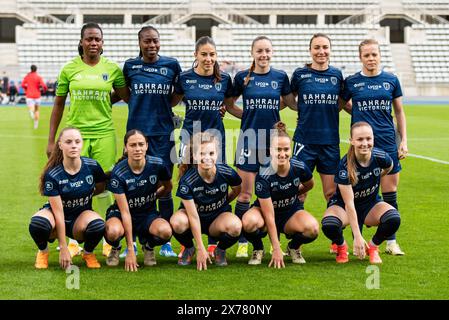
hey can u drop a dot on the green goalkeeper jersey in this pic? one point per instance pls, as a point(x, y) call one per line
point(90, 95)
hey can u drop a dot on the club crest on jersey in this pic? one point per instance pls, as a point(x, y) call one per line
point(343, 174)
point(334, 80)
point(376, 172)
point(48, 186)
point(296, 182)
point(184, 189)
point(218, 86)
point(274, 84)
point(90, 179)
point(386, 86)
point(223, 187)
point(105, 76)
point(114, 183)
point(164, 71)
point(153, 179)
point(259, 186)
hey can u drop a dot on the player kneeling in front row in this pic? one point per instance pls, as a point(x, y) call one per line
point(137, 181)
point(69, 181)
point(357, 201)
point(278, 208)
point(203, 189)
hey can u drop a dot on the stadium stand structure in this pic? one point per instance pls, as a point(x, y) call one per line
point(47, 33)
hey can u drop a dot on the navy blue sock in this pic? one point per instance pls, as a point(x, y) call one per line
point(93, 234)
point(40, 230)
point(255, 238)
point(186, 238)
point(166, 207)
point(114, 244)
point(392, 199)
point(332, 228)
point(154, 241)
point(226, 241)
point(389, 224)
point(211, 241)
point(240, 209)
point(298, 239)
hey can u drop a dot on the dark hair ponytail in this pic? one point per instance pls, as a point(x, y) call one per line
point(89, 25)
point(280, 130)
point(253, 64)
point(201, 42)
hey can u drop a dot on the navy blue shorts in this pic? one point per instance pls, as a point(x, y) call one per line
point(250, 160)
point(140, 222)
point(396, 164)
point(362, 210)
point(325, 157)
point(164, 148)
point(281, 217)
point(69, 222)
point(206, 220)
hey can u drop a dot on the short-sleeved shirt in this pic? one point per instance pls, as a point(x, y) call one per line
point(90, 95)
point(140, 189)
point(209, 198)
point(76, 190)
point(367, 188)
point(318, 93)
point(283, 191)
point(261, 99)
point(151, 87)
point(372, 102)
point(203, 99)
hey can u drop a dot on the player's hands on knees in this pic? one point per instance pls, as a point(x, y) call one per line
point(222, 111)
point(50, 147)
point(131, 261)
point(277, 259)
point(403, 151)
point(359, 247)
point(202, 258)
point(65, 259)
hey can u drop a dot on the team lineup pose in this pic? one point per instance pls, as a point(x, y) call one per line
point(136, 181)
point(150, 79)
point(375, 94)
point(278, 208)
point(262, 89)
point(204, 192)
point(69, 181)
point(357, 201)
point(89, 79)
point(266, 164)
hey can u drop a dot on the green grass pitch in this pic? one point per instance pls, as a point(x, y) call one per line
point(423, 273)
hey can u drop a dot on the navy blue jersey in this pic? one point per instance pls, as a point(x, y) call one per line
point(203, 99)
point(151, 86)
point(318, 93)
point(208, 197)
point(261, 99)
point(367, 188)
point(283, 191)
point(76, 190)
point(372, 101)
point(140, 189)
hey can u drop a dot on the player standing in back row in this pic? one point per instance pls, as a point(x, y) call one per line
point(375, 94)
point(150, 79)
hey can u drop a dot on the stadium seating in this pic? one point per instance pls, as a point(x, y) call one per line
point(294, 5)
point(291, 45)
point(103, 4)
point(430, 58)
